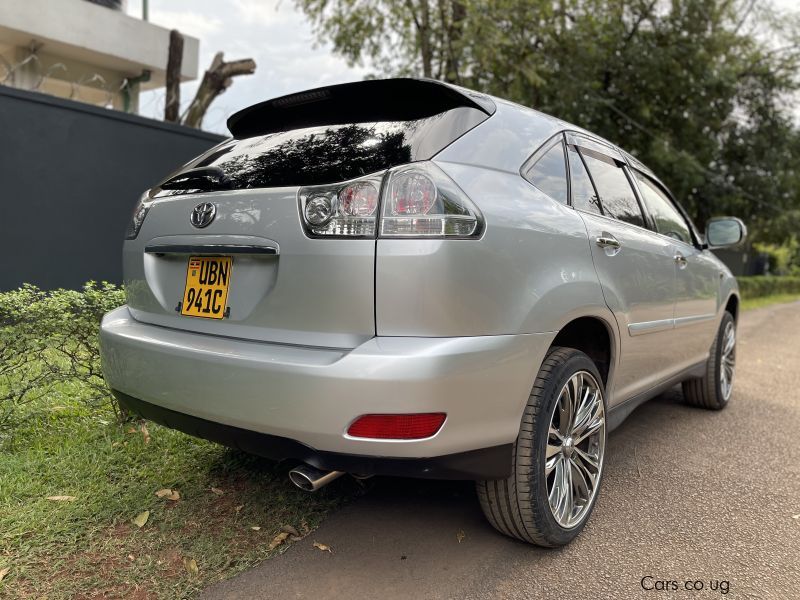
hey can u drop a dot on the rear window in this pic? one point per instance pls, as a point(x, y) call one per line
point(616, 194)
point(322, 154)
point(549, 173)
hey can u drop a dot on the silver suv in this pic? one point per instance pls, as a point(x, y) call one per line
point(400, 277)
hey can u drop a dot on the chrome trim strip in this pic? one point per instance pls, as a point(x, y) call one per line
point(210, 249)
point(650, 326)
point(683, 321)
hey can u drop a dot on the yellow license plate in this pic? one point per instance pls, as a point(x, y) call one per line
point(208, 279)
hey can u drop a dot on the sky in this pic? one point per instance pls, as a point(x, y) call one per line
point(273, 33)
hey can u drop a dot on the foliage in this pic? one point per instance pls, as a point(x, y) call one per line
point(49, 339)
point(783, 259)
point(762, 286)
point(697, 89)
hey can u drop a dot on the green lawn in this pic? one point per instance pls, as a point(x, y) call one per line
point(749, 303)
point(231, 507)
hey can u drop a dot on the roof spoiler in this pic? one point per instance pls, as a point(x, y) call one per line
point(401, 99)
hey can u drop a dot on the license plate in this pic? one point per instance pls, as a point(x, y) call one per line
point(208, 279)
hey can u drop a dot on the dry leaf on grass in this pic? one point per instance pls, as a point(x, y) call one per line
point(323, 547)
point(217, 491)
point(145, 434)
point(4, 572)
point(278, 540)
point(141, 519)
point(191, 565)
point(238, 508)
point(290, 530)
point(256, 528)
point(168, 494)
point(61, 498)
point(460, 535)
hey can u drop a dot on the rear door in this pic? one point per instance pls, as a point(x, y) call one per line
point(698, 275)
point(231, 232)
point(634, 265)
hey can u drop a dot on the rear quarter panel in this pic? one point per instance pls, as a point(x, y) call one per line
point(531, 272)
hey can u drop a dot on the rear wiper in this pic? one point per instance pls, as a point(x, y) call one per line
point(205, 179)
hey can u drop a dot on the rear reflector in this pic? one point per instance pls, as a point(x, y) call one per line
point(397, 427)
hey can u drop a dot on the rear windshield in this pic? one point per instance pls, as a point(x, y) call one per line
point(320, 155)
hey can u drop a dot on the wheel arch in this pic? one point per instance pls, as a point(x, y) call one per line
point(732, 306)
point(595, 337)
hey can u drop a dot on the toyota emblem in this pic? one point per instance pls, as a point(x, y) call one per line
point(203, 214)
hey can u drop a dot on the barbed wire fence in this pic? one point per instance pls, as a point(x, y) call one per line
point(93, 88)
point(18, 75)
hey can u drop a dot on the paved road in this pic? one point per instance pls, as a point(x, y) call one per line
point(688, 495)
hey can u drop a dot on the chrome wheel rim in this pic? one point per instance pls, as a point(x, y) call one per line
point(727, 361)
point(575, 446)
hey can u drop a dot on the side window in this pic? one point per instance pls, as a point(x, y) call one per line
point(616, 193)
point(584, 196)
point(549, 173)
point(668, 220)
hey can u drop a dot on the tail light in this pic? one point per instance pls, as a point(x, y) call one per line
point(137, 218)
point(343, 210)
point(421, 201)
point(397, 427)
point(414, 201)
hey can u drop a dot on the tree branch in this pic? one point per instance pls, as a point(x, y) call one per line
point(216, 80)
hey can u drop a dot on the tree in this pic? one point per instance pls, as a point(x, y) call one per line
point(697, 89)
point(216, 80)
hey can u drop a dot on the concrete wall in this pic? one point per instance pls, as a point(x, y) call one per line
point(70, 175)
point(92, 34)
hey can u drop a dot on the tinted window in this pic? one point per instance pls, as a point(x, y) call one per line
point(616, 193)
point(549, 173)
point(668, 220)
point(323, 154)
point(584, 196)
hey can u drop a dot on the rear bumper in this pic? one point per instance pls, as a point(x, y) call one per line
point(487, 463)
point(267, 394)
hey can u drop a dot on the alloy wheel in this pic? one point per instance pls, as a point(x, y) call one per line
point(727, 361)
point(575, 446)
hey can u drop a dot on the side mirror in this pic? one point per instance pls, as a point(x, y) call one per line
point(722, 232)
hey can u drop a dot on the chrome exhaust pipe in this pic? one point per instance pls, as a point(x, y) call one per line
point(310, 479)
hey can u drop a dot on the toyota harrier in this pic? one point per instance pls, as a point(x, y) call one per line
point(401, 277)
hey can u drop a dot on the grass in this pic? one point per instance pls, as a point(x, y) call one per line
point(231, 506)
point(749, 303)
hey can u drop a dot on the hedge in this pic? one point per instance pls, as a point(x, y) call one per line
point(49, 343)
point(766, 285)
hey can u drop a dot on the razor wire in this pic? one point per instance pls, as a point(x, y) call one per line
point(37, 77)
point(56, 72)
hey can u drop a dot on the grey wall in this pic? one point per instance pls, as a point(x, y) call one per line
point(70, 175)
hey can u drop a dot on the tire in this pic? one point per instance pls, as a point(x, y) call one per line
point(520, 506)
point(713, 390)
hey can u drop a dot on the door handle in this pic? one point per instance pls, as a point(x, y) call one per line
point(608, 241)
point(680, 260)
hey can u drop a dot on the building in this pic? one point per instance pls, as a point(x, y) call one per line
point(86, 50)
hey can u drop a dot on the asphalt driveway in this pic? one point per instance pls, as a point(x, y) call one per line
point(691, 499)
